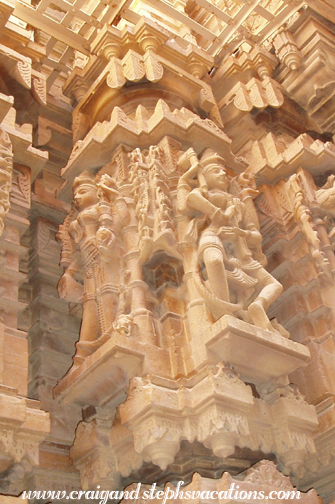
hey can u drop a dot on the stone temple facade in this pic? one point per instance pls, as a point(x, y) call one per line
point(167, 220)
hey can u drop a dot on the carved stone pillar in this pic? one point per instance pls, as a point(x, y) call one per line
point(23, 424)
point(298, 207)
point(174, 391)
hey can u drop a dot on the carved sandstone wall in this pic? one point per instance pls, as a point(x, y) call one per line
point(167, 271)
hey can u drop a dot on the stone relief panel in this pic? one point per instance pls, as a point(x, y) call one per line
point(6, 168)
point(325, 198)
point(304, 211)
point(163, 251)
point(311, 208)
point(142, 222)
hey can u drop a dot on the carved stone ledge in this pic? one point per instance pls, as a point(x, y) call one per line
point(22, 427)
point(103, 377)
point(314, 84)
point(270, 160)
point(21, 138)
point(160, 417)
point(235, 341)
point(145, 39)
point(242, 98)
point(16, 65)
point(146, 130)
point(262, 477)
point(161, 413)
point(19, 68)
point(39, 88)
point(53, 137)
point(242, 67)
point(6, 102)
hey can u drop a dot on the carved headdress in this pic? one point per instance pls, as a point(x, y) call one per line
point(210, 158)
point(85, 178)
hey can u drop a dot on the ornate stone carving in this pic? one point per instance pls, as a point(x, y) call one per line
point(190, 267)
point(309, 45)
point(286, 49)
point(103, 452)
point(147, 125)
point(303, 215)
point(325, 198)
point(101, 213)
point(311, 208)
point(142, 260)
point(6, 167)
point(256, 94)
point(38, 90)
point(224, 236)
point(115, 78)
point(153, 204)
point(153, 67)
point(266, 473)
point(22, 73)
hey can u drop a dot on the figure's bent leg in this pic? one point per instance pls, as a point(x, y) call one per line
point(216, 272)
point(270, 287)
point(270, 291)
point(257, 313)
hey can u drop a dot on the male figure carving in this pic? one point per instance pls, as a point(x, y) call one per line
point(227, 275)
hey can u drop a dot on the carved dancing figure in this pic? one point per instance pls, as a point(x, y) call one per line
point(90, 244)
point(226, 274)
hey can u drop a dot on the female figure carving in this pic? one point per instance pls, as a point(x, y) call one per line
point(90, 248)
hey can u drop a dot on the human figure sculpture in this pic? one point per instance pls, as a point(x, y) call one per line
point(91, 248)
point(226, 273)
point(325, 198)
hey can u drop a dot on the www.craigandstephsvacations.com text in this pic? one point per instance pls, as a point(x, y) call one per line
point(163, 496)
